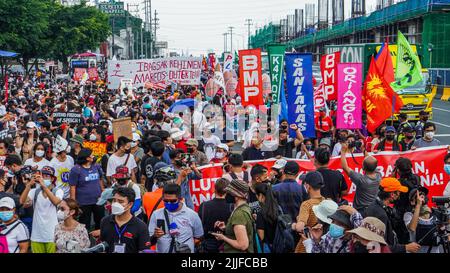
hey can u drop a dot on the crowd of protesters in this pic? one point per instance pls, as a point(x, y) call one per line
point(56, 196)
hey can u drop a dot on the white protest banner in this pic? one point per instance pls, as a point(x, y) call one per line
point(180, 70)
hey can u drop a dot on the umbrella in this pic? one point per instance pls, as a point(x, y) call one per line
point(7, 54)
point(179, 103)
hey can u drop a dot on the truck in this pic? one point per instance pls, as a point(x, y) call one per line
point(415, 98)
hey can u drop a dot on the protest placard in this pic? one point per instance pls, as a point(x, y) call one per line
point(98, 148)
point(122, 127)
point(66, 117)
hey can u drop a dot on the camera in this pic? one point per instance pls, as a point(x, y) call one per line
point(442, 212)
point(355, 144)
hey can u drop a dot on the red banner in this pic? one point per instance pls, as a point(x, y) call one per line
point(428, 164)
point(93, 74)
point(250, 77)
point(328, 67)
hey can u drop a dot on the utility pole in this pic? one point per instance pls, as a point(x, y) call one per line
point(142, 43)
point(248, 24)
point(130, 49)
point(155, 24)
point(225, 41)
point(231, 34)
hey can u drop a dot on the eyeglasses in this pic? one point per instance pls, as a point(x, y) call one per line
point(173, 201)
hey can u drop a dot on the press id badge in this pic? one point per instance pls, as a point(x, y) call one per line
point(119, 248)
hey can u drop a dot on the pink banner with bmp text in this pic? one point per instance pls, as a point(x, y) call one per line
point(349, 112)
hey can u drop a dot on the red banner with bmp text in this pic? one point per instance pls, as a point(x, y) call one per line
point(250, 77)
point(428, 164)
point(328, 67)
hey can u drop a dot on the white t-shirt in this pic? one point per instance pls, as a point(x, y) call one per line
point(199, 120)
point(16, 233)
point(114, 161)
point(210, 146)
point(62, 170)
point(41, 164)
point(44, 217)
point(337, 149)
point(299, 155)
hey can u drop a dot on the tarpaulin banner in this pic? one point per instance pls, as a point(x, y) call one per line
point(250, 77)
point(428, 164)
point(319, 98)
point(180, 70)
point(276, 63)
point(227, 62)
point(93, 74)
point(98, 148)
point(78, 74)
point(300, 92)
point(349, 112)
point(328, 67)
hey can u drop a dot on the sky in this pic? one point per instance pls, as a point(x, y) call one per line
point(196, 26)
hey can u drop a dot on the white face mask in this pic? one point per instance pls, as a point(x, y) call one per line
point(39, 153)
point(220, 155)
point(62, 215)
point(92, 137)
point(117, 209)
point(133, 144)
point(429, 135)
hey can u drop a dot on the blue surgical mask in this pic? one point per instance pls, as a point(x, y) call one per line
point(447, 168)
point(336, 231)
point(5, 216)
point(171, 207)
point(47, 182)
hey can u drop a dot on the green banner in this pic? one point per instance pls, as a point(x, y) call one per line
point(409, 70)
point(276, 66)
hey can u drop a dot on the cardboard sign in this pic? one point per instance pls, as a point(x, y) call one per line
point(122, 127)
point(66, 117)
point(250, 77)
point(98, 148)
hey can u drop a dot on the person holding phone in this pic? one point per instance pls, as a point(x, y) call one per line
point(44, 199)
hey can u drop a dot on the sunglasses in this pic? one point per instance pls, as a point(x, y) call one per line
point(173, 201)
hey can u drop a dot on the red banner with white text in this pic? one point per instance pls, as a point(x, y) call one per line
point(250, 77)
point(428, 164)
point(328, 67)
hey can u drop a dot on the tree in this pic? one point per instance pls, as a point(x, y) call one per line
point(24, 26)
point(76, 29)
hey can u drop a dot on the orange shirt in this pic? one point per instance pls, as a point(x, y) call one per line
point(149, 201)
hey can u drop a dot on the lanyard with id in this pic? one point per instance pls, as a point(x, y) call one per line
point(119, 248)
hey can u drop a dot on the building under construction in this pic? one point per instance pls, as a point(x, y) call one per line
point(425, 23)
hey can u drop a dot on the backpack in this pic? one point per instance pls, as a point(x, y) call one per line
point(283, 241)
point(246, 178)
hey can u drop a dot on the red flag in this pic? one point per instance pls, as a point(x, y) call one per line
point(378, 98)
point(384, 63)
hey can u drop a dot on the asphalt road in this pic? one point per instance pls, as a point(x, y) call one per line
point(441, 117)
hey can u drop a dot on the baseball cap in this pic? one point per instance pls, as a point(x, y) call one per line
point(31, 125)
point(314, 179)
point(325, 141)
point(279, 164)
point(122, 172)
point(136, 137)
point(223, 146)
point(390, 129)
point(325, 209)
point(192, 142)
point(391, 184)
point(48, 170)
point(291, 168)
point(7, 202)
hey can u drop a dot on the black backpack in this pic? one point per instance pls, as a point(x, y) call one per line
point(283, 241)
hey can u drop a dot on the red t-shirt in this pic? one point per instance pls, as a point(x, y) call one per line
point(181, 145)
point(327, 123)
point(388, 146)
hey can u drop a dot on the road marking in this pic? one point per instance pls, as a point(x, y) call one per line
point(443, 135)
point(440, 109)
point(438, 123)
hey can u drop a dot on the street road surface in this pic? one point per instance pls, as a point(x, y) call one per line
point(441, 117)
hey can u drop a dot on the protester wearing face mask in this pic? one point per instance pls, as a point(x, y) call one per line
point(70, 236)
point(44, 199)
point(124, 232)
point(307, 150)
point(76, 144)
point(368, 237)
point(407, 142)
point(192, 149)
point(209, 141)
point(136, 150)
point(389, 143)
point(286, 146)
point(17, 237)
point(423, 118)
point(122, 179)
point(38, 161)
point(277, 171)
point(174, 228)
point(447, 171)
point(336, 240)
point(85, 180)
point(390, 189)
point(62, 163)
point(255, 151)
point(123, 157)
point(428, 139)
point(367, 184)
point(221, 154)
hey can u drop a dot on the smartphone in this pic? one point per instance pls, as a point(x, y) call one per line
point(306, 232)
point(160, 223)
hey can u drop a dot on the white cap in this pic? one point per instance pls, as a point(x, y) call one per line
point(136, 137)
point(279, 164)
point(7, 202)
point(60, 144)
point(223, 146)
point(31, 125)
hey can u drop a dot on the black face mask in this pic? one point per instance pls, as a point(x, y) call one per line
point(122, 181)
point(283, 142)
point(409, 137)
point(189, 150)
point(284, 127)
point(390, 137)
point(359, 248)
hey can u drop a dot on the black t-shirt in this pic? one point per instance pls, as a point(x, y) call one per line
point(135, 234)
point(251, 153)
point(334, 184)
point(212, 211)
point(285, 150)
point(269, 229)
point(147, 169)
